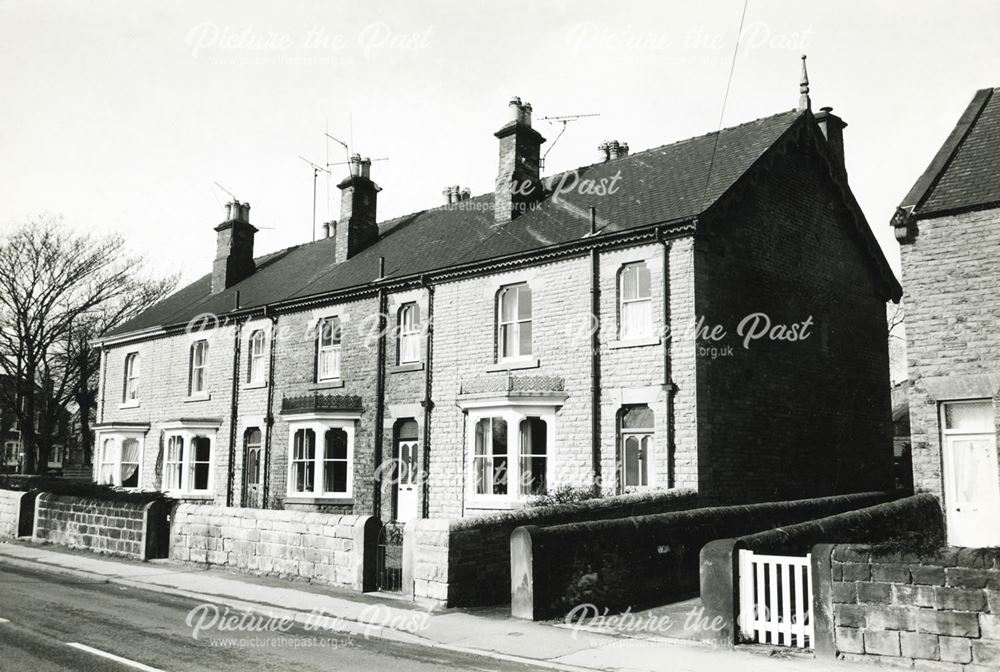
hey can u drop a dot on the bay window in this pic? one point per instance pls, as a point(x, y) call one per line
point(119, 457)
point(188, 458)
point(321, 457)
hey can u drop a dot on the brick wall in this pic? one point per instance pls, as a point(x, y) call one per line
point(116, 528)
point(318, 547)
point(950, 273)
point(780, 419)
point(938, 611)
point(10, 512)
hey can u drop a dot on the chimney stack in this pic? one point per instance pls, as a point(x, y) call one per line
point(609, 150)
point(833, 130)
point(518, 184)
point(233, 247)
point(455, 194)
point(358, 226)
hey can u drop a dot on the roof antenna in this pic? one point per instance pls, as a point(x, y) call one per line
point(565, 119)
point(231, 195)
point(316, 168)
point(804, 102)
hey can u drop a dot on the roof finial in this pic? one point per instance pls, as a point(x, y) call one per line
point(804, 102)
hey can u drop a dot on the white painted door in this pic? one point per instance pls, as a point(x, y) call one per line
point(406, 483)
point(971, 475)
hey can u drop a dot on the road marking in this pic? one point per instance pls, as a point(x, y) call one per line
point(111, 656)
point(4, 620)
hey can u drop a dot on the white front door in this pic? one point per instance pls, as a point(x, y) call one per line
point(971, 475)
point(406, 483)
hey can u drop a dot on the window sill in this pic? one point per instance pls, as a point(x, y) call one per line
point(204, 396)
point(128, 404)
point(405, 368)
point(327, 385)
point(635, 342)
point(319, 499)
point(501, 502)
point(255, 386)
point(513, 364)
point(191, 496)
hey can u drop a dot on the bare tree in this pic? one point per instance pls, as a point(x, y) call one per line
point(58, 290)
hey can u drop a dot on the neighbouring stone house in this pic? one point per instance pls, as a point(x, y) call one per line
point(447, 363)
point(63, 452)
point(948, 228)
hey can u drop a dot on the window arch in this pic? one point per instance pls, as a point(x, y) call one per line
point(199, 368)
point(635, 301)
point(514, 322)
point(636, 430)
point(408, 342)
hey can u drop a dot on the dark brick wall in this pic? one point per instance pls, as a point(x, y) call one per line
point(936, 611)
point(780, 420)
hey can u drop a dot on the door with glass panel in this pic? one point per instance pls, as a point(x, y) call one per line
point(407, 470)
point(971, 474)
point(252, 469)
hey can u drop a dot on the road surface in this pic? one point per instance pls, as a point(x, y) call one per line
point(51, 622)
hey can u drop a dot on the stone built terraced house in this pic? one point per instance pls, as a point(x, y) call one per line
point(948, 227)
point(443, 363)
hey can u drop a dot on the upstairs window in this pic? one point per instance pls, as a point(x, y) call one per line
point(199, 368)
point(328, 349)
point(131, 387)
point(257, 357)
point(409, 334)
point(636, 310)
point(514, 322)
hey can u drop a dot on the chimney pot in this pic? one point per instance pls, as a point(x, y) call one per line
point(613, 149)
point(446, 194)
point(603, 151)
point(515, 108)
point(355, 165)
point(623, 150)
point(366, 168)
point(466, 194)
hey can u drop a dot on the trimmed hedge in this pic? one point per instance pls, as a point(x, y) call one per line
point(914, 521)
point(648, 560)
point(75, 488)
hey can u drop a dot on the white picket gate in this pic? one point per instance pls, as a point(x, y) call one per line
point(775, 599)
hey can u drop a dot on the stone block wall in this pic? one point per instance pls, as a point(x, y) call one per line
point(10, 512)
point(312, 546)
point(132, 530)
point(927, 611)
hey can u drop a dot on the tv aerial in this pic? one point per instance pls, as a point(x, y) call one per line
point(316, 170)
point(564, 120)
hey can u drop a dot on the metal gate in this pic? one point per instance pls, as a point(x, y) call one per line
point(389, 558)
point(775, 599)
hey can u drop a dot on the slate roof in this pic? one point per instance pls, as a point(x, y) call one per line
point(660, 185)
point(964, 173)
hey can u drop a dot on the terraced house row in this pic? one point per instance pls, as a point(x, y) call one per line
point(707, 314)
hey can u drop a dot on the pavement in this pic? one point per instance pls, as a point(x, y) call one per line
point(222, 604)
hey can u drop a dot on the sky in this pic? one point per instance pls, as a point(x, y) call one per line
point(121, 116)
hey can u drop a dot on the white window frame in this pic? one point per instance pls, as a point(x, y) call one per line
point(514, 412)
point(257, 356)
point(119, 437)
point(202, 369)
point(409, 333)
point(320, 423)
point(516, 324)
point(333, 349)
point(635, 304)
point(188, 432)
point(130, 388)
